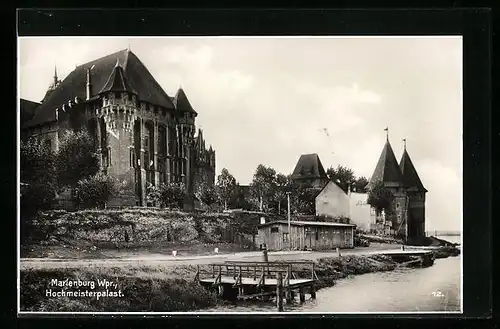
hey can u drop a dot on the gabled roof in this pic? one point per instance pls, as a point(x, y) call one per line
point(137, 76)
point(387, 169)
point(309, 167)
point(117, 81)
point(27, 109)
point(334, 184)
point(410, 175)
point(181, 102)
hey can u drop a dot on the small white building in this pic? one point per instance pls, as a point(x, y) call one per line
point(360, 212)
point(333, 202)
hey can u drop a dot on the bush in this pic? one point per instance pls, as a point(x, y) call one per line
point(207, 194)
point(76, 158)
point(361, 242)
point(169, 195)
point(38, 177)
point(95, 191)
point(184, 230)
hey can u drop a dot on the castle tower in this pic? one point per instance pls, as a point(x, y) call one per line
point(116, 121)
point(389, 173)
point(186, 116)
point(416, 196)
point(309, 170)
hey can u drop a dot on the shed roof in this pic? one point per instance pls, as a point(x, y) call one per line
point(306, 223)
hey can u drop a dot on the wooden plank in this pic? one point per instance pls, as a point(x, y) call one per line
point(261, 294)
point(250, 281)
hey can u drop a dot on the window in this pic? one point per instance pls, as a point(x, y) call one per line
point(397, 205)
point(317, 235)
point(132, 157)
point(161, 141)
point(285, 237)
point(147, 146)
point(274, 230)
point(109, 157)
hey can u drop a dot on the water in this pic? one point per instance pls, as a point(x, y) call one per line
point(431, 289)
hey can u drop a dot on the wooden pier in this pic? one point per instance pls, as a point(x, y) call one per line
point(260, 280)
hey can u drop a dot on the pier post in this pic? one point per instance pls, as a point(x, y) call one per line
point(288, 291)
point(302, 295)
point(313, 291)
point(279, 291)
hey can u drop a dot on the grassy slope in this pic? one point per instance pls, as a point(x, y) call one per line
point(165, 288)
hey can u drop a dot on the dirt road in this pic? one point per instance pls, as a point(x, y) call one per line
point(155, 260)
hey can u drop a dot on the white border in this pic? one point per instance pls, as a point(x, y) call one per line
point(166, 314)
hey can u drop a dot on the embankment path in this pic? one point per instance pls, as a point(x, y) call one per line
point(167, 260)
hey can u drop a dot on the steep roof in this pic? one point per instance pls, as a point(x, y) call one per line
point(387, 169)
point(135, 73)
point(27, 109)
point(181, 102)
point(410, 175)
point(117, 81)
point(309, 167)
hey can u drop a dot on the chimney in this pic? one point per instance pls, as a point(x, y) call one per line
point(89, 85)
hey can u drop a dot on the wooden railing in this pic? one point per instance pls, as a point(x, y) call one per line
point(257, 271)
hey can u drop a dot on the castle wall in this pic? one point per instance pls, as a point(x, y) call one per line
point(416, 216)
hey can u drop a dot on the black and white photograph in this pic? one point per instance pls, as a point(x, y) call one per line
point(240, 175)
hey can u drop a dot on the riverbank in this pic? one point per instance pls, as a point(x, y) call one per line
point(160, 288)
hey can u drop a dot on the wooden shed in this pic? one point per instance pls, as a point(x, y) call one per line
point(306, 235)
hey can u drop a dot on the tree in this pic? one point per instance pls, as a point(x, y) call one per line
point(206, 194)
point(360, 184)
point(302, 197)
point(380, 198)
point(76, 158)
point(280, 193)
point(173, 195)
point(38, 177)
point(242, 200)
point(343, 176)
point(95, 191)
point(263, 184)
point(226, 186)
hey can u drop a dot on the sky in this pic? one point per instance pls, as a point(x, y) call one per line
point(269, 100)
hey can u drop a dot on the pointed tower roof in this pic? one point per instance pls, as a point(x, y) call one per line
point(409, 173)
point(181, 102)
point(309, 166)
point(387, 169)
point(117, 81)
